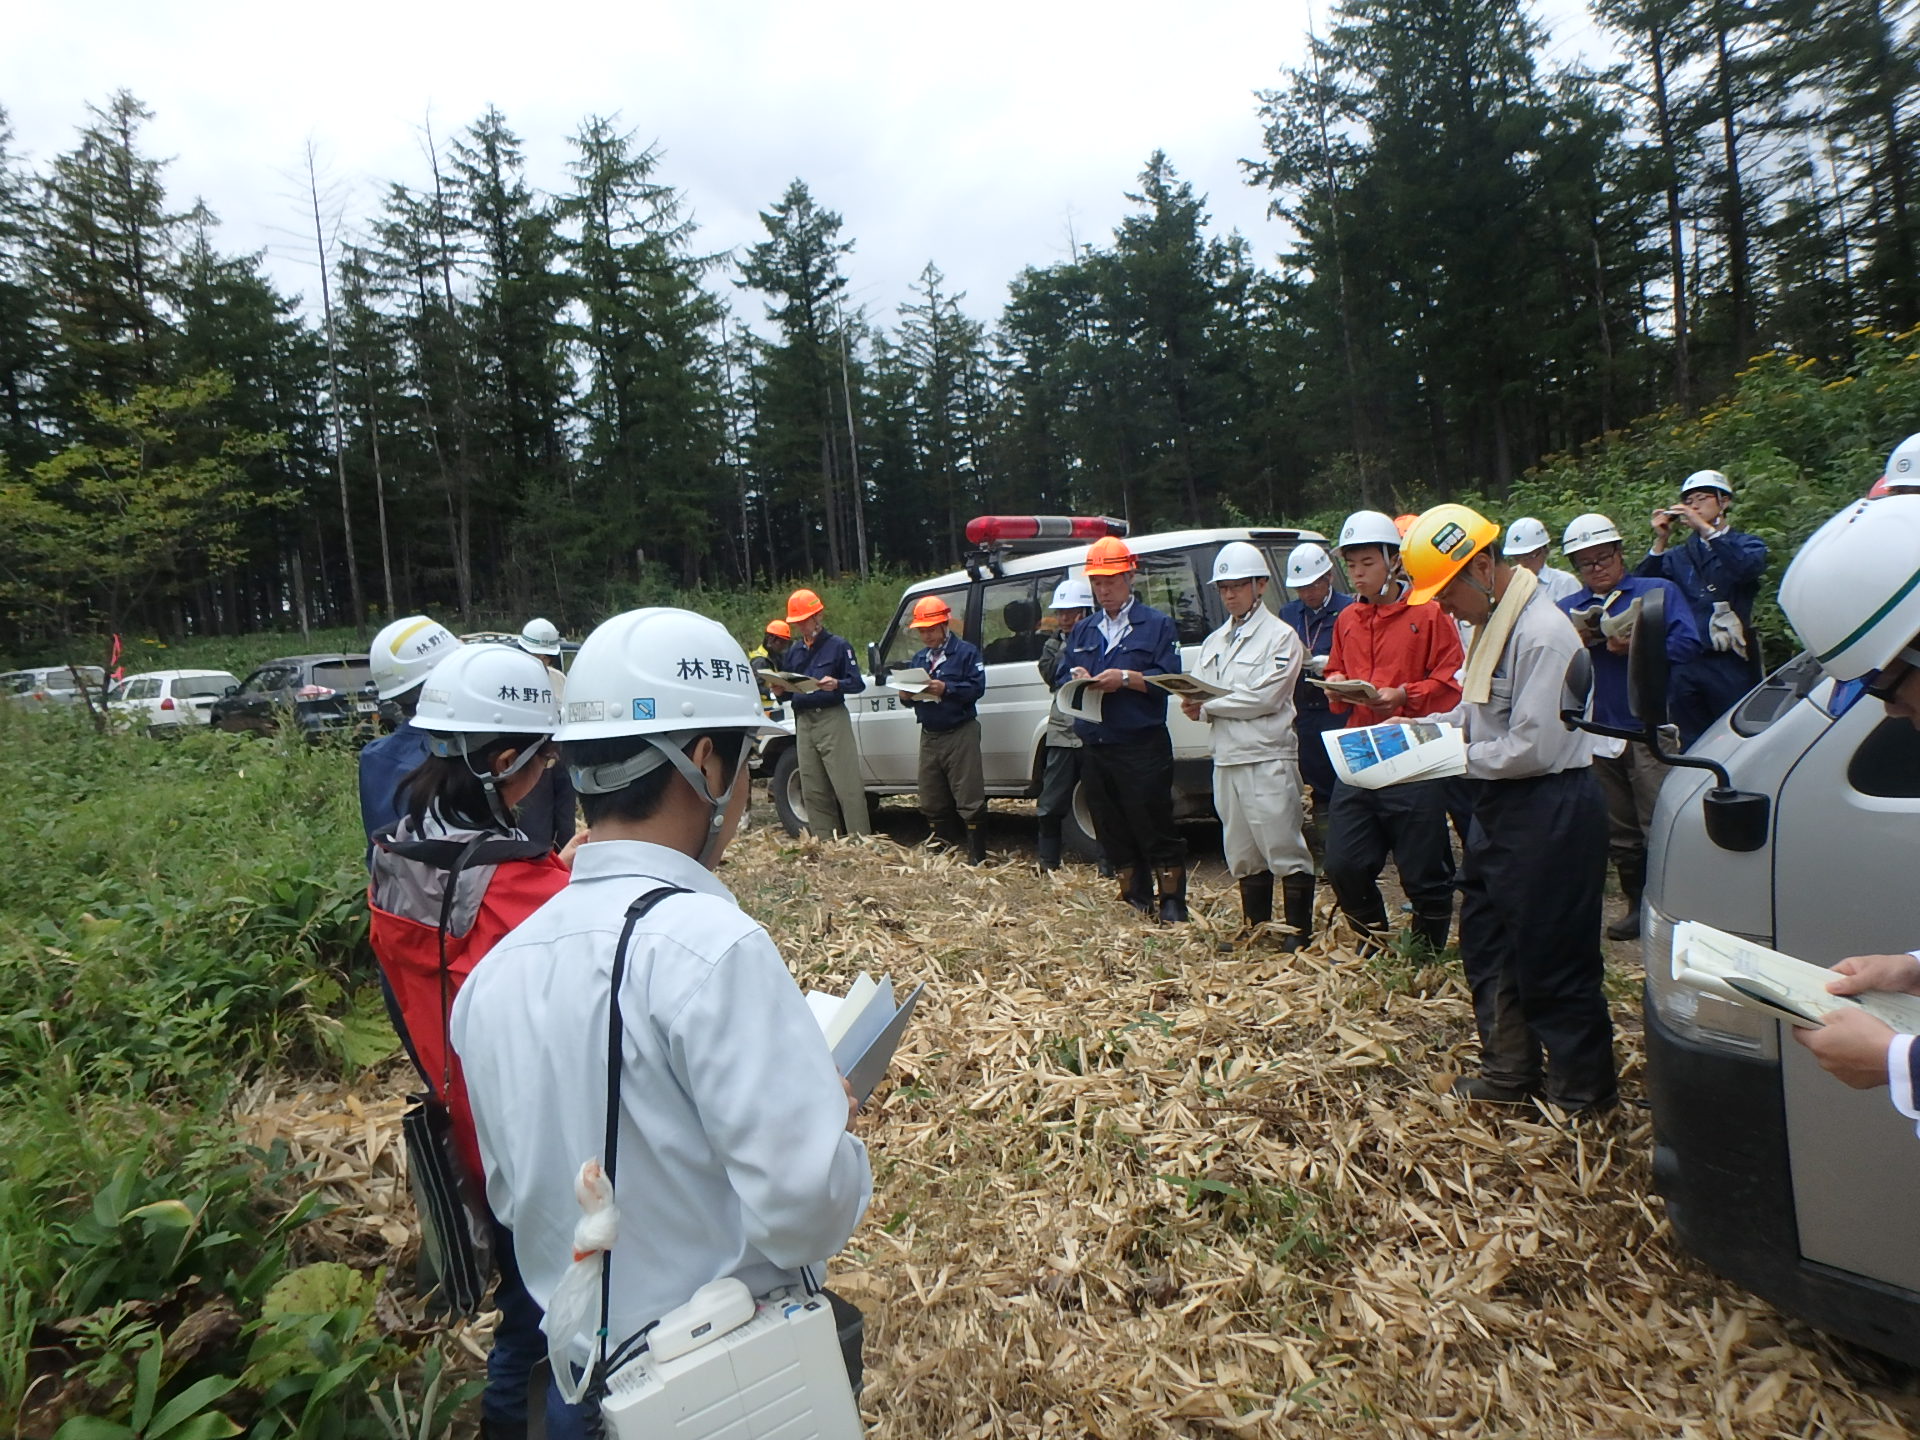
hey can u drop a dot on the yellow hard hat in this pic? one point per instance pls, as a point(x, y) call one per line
point(1438, 546)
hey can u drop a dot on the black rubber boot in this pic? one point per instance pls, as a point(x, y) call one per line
point(1478, 1087)
point(1432, 927)
point(1173, 896)
point(1296, 897)
point(976, 842)
point(1633, 883)
point(1049, 846)
point(1136, 888)
point(1256, 901)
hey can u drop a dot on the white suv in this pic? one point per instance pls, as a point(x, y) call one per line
point(165, 700)
point(1000, 603)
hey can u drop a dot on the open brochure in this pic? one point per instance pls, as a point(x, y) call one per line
point(1372, 757)
point(794, 681)
point(1792, 990)
point(911, 681)
point(1079, 700)
point(1187, 686)
point(863, 1029)
point(1350, 692)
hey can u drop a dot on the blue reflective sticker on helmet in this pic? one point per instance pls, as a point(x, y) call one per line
point(643, 709)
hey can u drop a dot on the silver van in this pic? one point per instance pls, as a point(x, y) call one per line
point(1775, 1174)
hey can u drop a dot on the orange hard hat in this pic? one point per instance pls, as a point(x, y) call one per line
point(780, 628)
point(1404, 523)
point(1109, 555)
point(928, 611)
point(803, 605)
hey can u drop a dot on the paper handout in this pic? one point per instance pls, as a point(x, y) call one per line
point(1720, 964)
point(1352, 692)
point(1079, 700)
point(1186, 686)
point(911, 681)
point(863, 1029)
point(793, 680)
point(1372, 757)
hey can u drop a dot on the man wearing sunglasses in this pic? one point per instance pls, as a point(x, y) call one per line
point(1853, 595)
point(1605, 611)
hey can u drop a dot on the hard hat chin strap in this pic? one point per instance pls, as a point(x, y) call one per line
point(717, 805)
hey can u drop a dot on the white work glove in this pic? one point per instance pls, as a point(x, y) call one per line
point(1316, 665)
point(1616, 627)
point(1726, 631)
point(575, 1306)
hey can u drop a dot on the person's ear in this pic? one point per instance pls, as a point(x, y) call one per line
point(706, 759)
point(503, 762)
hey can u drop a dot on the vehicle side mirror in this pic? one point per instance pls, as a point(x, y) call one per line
point(1647, 670)
point(230, 690)
point(874, 667)
point(1736, 819)
point(1577, 689)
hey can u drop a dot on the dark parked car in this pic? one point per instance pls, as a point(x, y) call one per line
point(325, 695)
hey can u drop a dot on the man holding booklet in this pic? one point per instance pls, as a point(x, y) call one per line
point(1394, 657)
point(729, 1123)
point(1252, 663)
point(1853, 595)
point(944, 682)
point(1536, 853)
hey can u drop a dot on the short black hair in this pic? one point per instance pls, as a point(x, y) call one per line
point(641, 800)
point(449, 784)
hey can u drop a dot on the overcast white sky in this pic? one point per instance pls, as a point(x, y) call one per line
point(973, 135)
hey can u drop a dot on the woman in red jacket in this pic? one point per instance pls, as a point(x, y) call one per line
point(449, 880)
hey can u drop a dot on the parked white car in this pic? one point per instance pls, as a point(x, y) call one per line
point(164, 700)
point(1000, 603)
point(51, 685)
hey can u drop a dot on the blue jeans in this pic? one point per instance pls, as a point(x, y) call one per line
point(519, 1343)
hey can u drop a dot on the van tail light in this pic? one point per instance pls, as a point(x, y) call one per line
point(167, 704)
point(314, 692)
point(995, 529)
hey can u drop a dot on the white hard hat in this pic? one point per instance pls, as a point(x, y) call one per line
point(1307, 564)
point(1525, 536)
point(1368, 527)
point(1238, 560)
point(1706, 480)
point(488, 690)
point(1587, 531)
point(1072, 593)
point(1903, 465)
point(1853, 591)
point(657, 671)
point(539, 637)
point(405, 651)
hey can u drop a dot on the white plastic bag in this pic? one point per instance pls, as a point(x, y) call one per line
point(575, 1306)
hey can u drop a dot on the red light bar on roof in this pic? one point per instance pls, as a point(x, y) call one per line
point(997, 529)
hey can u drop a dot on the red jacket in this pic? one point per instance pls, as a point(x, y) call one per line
point(1415, 646)
point(504, 883)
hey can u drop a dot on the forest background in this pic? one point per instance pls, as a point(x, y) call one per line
point(1551, 287)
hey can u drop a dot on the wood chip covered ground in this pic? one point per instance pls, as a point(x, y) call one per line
point(1128, 1183)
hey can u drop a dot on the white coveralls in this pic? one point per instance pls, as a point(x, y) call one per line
point(734, 1153)
point(1256, 751)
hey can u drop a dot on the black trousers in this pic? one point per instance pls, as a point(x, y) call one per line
point(1129, 787)
point(1410, 821)
point(1316, 768)
point(1536, 866)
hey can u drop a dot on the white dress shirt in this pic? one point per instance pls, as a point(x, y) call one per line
point(734, 1156)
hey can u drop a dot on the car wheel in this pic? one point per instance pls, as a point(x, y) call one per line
point(785, 786)
point(1076, 827)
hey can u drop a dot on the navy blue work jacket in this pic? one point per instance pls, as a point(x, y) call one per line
point(966, 681)
point(828, 655)
point(1727, 567)
point(1148, 646)
point(383, 765)
point(1315, 629)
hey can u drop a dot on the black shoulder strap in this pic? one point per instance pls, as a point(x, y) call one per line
point(609, 1153)
point(446, 980)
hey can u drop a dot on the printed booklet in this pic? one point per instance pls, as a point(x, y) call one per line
point(863, 1029)
point(1186, 686)
point(911, 681)
point(794, 681)
point(1375, 756)
point(1793, 990)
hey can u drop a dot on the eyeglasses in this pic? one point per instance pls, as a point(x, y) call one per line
point(1594, 562)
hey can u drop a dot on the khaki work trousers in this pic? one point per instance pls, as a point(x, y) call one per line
point(1260, 814)
point(952, 780)
point(830, 785)
point(1630, 783)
